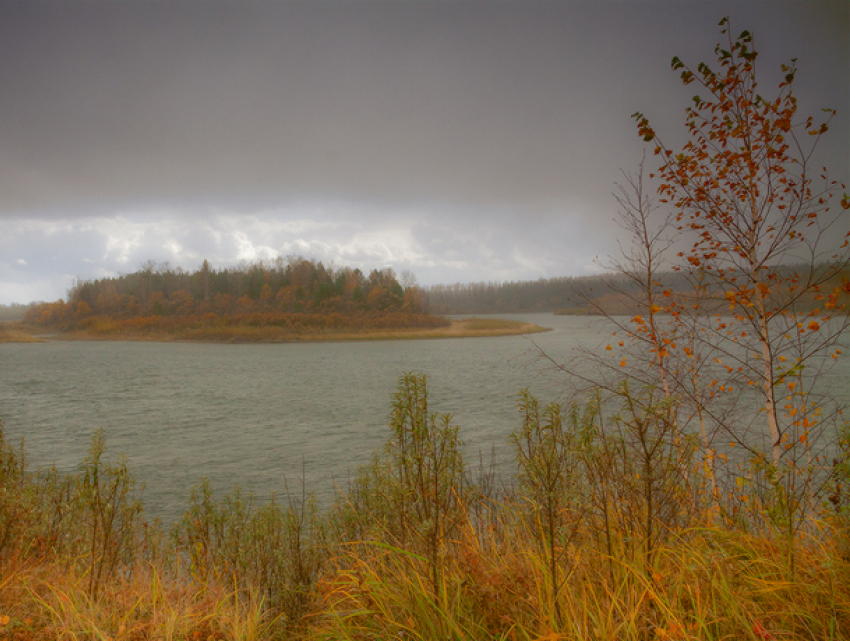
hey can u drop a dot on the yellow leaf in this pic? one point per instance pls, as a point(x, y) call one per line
point(4, 620)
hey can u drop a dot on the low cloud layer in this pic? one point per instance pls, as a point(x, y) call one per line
point(436, 247)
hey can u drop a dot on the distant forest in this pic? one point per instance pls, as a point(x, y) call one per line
point(273, 292)
point(13, 312)
point(305, 285)
point(572, 295)
point(615, 293)
point(300, 286)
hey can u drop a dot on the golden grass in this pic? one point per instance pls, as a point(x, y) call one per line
point(18, 333)
point(706, 583)
point(49, 601)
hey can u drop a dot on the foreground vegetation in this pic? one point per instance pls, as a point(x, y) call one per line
point(609, 530)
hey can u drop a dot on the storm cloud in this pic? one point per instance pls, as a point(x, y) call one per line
point(460, 140)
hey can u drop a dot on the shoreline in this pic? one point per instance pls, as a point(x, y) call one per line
point(459, 328)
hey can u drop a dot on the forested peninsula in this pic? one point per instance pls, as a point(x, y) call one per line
point(301, 299)
point(267, 301)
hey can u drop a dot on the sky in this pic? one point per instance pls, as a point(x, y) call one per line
point(460, 140)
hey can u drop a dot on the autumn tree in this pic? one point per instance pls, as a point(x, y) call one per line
point(763, 224)
point(294, 293)
point(654, 343)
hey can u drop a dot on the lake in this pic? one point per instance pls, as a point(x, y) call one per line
point(265, 416)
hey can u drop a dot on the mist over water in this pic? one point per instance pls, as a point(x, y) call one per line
point(265, 416)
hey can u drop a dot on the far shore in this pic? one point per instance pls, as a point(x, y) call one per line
point(458, 328)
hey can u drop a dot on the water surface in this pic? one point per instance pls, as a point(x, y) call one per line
point(265, 416)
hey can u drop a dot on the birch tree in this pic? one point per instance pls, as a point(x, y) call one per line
point(768, 232)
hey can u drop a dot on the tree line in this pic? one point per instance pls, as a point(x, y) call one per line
point(565, 293)
point(618, 292)
point(13, 312)
point(294, 285)
point(542, 295)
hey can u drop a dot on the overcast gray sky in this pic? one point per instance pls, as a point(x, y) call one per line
point(462, 140)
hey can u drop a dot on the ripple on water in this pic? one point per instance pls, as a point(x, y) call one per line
point(264, 416)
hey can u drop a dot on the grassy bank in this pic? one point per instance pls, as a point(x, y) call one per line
point(108, 329)
point(608, 530)
point(18, 333)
